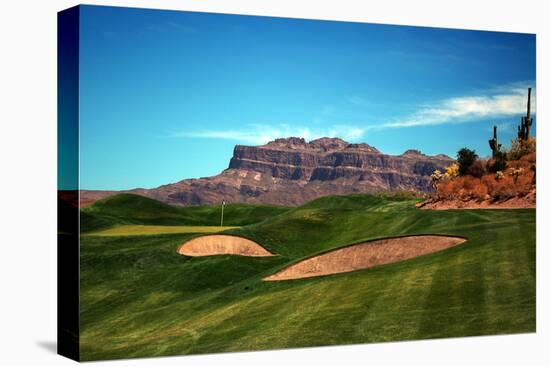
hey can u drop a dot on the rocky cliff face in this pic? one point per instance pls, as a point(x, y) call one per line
point(292, 171)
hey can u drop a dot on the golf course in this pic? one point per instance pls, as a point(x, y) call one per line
point(146, 290)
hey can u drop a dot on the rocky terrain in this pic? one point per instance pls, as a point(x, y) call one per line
point(291, 171)
point(527, 201)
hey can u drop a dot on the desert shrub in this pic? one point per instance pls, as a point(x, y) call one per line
point(523, 177)
point(503, 188)
point(436, 178)
point(458, 186)
point(524, 183)
point(516, 173)
point(477, 169)
point(519, 164)
point(514, 178)
point(480, 191)
point(469, 183)
point(451, 171)
point(462, 187)
point(521, 148)
point(498, 163)
point(490, 182)
point(472, 187)
point(446, 189)
point(529, 157)
point(465, 158)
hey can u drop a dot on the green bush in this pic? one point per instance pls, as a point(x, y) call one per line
point(498, 163)
point(465, 158)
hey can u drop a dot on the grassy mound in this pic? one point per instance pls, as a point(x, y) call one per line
point(139, 297)
point(124, 209)
point(142, 230)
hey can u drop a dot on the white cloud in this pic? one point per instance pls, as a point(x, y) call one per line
point(467, 108)
point(261, 134)
point(497, 103)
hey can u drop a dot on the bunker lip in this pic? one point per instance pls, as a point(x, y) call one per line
point(366, 255)
point(222, 244)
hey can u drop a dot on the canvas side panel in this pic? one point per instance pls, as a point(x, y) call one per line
point(68, 183)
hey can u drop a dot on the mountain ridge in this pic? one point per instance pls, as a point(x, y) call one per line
point(292, 171)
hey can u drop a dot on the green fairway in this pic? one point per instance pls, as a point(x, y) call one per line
point(140, 298)
point(134, 209)
point(139, 230)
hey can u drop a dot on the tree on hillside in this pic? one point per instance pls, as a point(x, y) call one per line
point(465, 158)
point(498, 163)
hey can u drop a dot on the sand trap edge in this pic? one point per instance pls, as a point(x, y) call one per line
point(373, 243)
point(222, 244)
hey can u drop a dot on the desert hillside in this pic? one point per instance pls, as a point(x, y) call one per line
point(505, 181)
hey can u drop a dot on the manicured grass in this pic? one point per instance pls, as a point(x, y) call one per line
point(134, 209)
point(139, 230)
point(140, 298)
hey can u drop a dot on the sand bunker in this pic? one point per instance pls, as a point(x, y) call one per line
point(366, 255)
point(222, 245)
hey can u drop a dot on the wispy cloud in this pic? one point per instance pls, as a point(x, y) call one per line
point(497, 103)
point(467, 108)
point(261, 134)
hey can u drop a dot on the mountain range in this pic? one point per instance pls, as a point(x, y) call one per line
point(292, 171)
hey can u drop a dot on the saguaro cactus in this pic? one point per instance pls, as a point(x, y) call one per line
point(524, 129)
point(493, 143)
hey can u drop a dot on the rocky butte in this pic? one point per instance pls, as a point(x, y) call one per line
point(291, 171)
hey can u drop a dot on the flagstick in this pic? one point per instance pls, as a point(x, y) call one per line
point(223, 204)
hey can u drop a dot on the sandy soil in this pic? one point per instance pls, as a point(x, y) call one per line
point(366, 255)
point(523, 202)
point(222, 245)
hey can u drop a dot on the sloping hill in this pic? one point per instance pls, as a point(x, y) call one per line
point(139, 297)
point(135, 209)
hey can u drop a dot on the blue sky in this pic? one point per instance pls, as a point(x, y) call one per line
point(167, 95)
